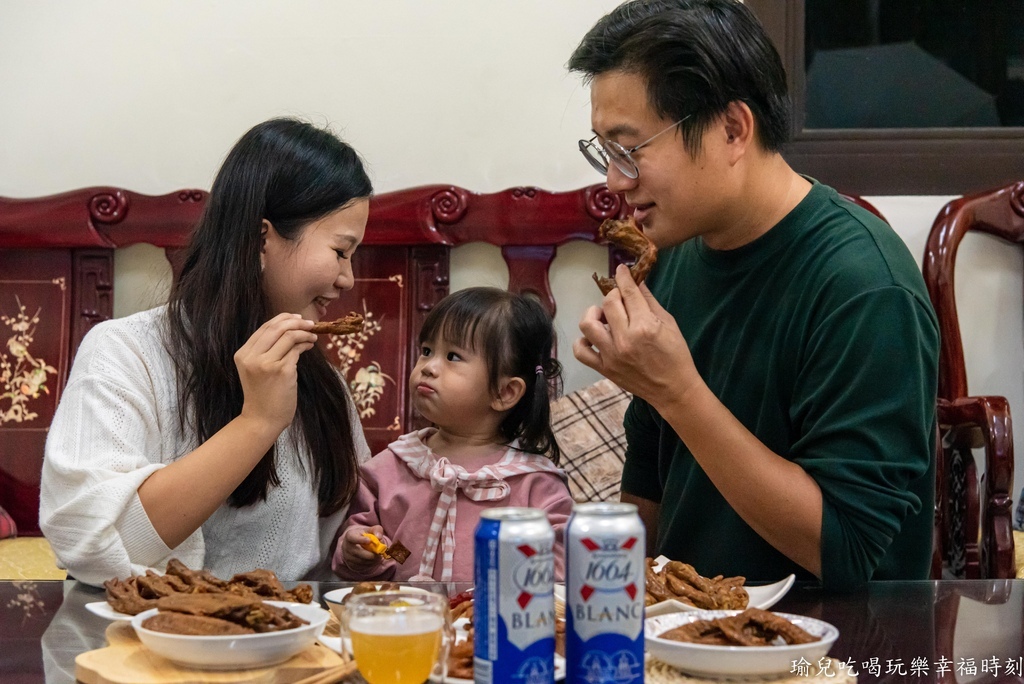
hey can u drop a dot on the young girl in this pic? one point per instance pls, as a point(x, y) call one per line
point(212, 429)
point(483, 379)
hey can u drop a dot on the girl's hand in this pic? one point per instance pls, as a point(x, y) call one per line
point(352, 550)
point(267, 367)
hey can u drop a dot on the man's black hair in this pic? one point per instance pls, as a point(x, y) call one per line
point(696, 57)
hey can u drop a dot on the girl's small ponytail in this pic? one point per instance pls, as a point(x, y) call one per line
point(536, 435)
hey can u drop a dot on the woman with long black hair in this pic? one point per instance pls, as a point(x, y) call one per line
point(212, 429)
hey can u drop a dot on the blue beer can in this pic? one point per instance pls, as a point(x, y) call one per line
point(604, 587)
point(514, 606)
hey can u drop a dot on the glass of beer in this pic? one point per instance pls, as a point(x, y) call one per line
point(398, 637)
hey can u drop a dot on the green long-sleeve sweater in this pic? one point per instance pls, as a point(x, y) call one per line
point(820, 338)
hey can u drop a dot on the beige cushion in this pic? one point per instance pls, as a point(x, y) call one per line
point(28, 558)
point(588, 427)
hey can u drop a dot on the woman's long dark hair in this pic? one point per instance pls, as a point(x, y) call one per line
point(515, 336)
point(290, 173)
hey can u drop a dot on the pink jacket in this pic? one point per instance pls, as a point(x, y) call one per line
point(411, 506)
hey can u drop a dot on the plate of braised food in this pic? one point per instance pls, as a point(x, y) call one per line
point(673, 586)
point(140, 593)
point(716, 643)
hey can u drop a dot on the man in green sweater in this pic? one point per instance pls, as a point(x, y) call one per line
point(784, 360)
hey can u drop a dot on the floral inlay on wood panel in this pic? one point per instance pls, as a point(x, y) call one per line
point(22, 376)
point(369, 382)
point(27, 600)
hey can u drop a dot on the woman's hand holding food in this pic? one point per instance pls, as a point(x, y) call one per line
point(267, 369)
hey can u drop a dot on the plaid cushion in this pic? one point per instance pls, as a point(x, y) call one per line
point(7, 526)
point(588, 427)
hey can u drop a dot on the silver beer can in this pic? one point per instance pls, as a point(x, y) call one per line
point(604, 576)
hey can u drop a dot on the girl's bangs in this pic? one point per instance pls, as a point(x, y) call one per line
point(461, 325)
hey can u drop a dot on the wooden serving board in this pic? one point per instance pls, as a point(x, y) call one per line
point(126, 661)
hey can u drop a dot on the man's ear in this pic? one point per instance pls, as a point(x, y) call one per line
point(739, 128)
point(510, 391)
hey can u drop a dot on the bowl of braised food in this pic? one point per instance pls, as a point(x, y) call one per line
point(226, 631)
point(732, 643)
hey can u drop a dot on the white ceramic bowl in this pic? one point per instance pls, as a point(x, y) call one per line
point(335, 597)
point(734, 661)
point(236, 651)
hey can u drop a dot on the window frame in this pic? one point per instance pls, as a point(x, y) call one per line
point(916, 161)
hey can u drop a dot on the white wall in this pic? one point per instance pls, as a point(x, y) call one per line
point(151, 95)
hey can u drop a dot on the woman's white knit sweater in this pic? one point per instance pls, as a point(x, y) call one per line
point(115, 425)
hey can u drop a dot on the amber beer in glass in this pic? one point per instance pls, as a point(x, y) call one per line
point(396, 637)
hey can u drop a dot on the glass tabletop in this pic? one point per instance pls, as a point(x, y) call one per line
point(929, 631)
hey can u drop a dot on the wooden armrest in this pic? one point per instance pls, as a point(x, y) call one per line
point(991, 416)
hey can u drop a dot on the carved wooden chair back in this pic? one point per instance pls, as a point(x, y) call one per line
point(975, 536)
point(56, 281)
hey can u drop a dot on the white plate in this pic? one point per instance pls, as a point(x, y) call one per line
point(105, 610)
point(764, 596)
point(705, 660)
point(236, 651)
point(336, 596)
point(333, 643)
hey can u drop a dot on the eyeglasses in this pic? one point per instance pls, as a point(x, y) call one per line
point(599, 154)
